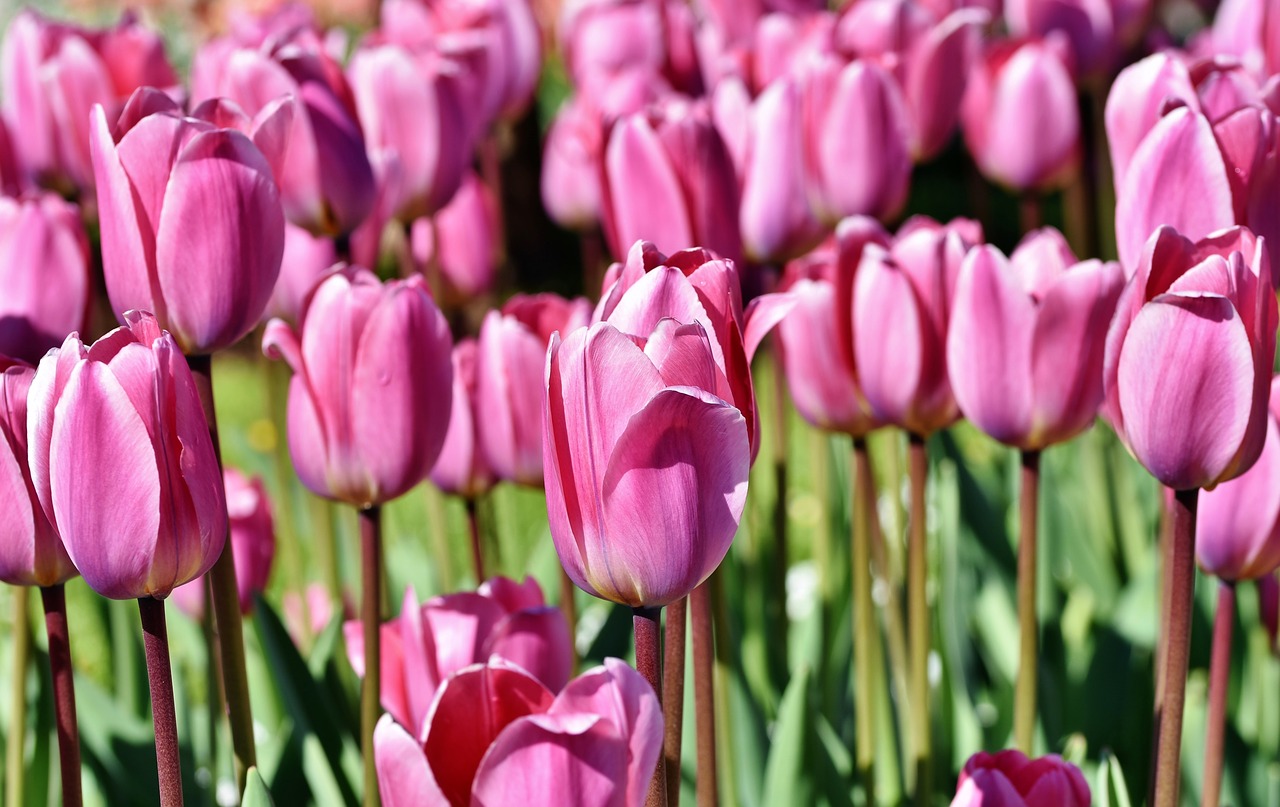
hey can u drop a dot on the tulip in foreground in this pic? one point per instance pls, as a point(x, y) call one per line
point(1010, 779)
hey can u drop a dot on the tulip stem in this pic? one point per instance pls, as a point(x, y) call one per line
point(648, 659)
point(1024, 698)
point(155, 639)
point(704, 695)
point(918, 615)
point(1219, 679)
point(1030, 216)
point(569, 607)
point(226, 603)
point(864, 628)
point(16, 748)
point(592, 252)
point(1178, 595)
point(371, 619)
point(673, 646)
point(776, 604)
point(477, 553)
point(64, 693)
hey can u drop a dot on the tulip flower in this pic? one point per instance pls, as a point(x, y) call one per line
point(1189, 355)
point(1010, 779)
point(512, 343)
point(461, 468)
point(1020, 117)
point(1025, 346)
point(306, 259)
point(370, 397)
point(52, 74)
point(1250, 30)
point(12, 179)
point(599, 739)
point(44, 271)
point(462, 241)
point(1098, 33)
point(119, 407)
point(253, 540)
point(785, 44)
point(604, 39)
point(1140, 96)
point(196, 238)
point(429, 643)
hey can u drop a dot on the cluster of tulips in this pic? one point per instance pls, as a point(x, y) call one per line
point(336, 195)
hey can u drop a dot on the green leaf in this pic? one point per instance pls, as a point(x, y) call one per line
point(255, 791)
point(785, 780)
point(1110, 789)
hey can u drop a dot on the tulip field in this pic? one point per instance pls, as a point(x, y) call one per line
point(606, 403)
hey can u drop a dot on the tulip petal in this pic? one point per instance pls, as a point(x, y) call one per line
point(508, 361)
point(18, 527)
point(404, 777)
point(822, 384)
point(888, 322)
point(682, 354)
point(537, 640)
point(544, 760)
point(643, 197)
point(1236, 521)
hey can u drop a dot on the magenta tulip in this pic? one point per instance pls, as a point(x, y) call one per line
point(370, 397)
point(1098, 32)
point(253, 541)
point(1250, 30)
point(13, 180)
point(606, 39)
point(122, 462)
point(902, 301)
point(461, 468)
point(1010, 779)
point(31, 553)
point(1189, 356)
point(1025, 347)
point(513, 346)
point(1141, 94)
point(461, 243)
point(786, 44)
point(197, 237)
point(423, 648)
point(1020, 115)
point(52, 74)
point(306, 259)
point(44, 271)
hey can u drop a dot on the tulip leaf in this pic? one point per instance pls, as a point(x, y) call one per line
point(255, 791)
point(785, 779)
point(1109, 788)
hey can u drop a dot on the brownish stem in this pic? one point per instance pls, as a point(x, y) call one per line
point(1219, 681)
point(648, 661)
point(64, 692)
point(477, 553)
point(371, 625)
point(918, 614)
point(1024, 698)
point(155, 639)
point(673, 646)
point(1030, 216)
point(864, 626)
point(592, 251)
point(704, 695)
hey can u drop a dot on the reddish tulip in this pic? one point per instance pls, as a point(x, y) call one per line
point(428, 644)
point(31, 553)
point(53, 74)
point(370, 397)
point(197, 237)
point(306, 259)
point(122, 462)
point(1098, 32)
point(461, 468)
point(44, 271)
point(1025, 348)
point(1020, 117)
point(1010, 779)
point(1189, 357)
point(599, 740)
point(513, 345)
point(461, 243)
point(902, 301)
point(253, 542)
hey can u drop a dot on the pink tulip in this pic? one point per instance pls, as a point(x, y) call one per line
point(1010, 779)
point(1250, 30)
point(306, 259)
point(816, 339)
point(1020, 117)
point(461, 469)
point(513, 345)
point(1098, 32)
point(787, 44)
point(605, 39)
point(1189, 356)
point(253, 542)
point(52, 74)
point(668, 178)
point(196, 237)
point(44, 271)
point(13, 180)
point(599, 740)
point(428, 644)
point(31, 553)
point(902, 302)
point(326, 182)
point(1025, 348)
point(1141, 94)
point(1238, 522)
point(370, 398)
point(462, 241)
point(122, 462)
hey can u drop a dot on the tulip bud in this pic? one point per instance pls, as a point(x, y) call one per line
point(461, 468)
point(1189, 356)
point(306, 259)
point(462, 240)
point(44, 271)
point(1025, 348)
point(1098, 33)
point(605, 39)
point(1141, 94)
point(197, 237)
point(1250, 30)
point(122, 462)
point(31, 553)
point(1010, 779)
point(370, 397)
point(253, 543)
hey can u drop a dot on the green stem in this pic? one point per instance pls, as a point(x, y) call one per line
point(864, 629)
point(371, 619)
point(704, 695)
point(16, 748)
point(726, 655)
point(883, 567)
point(645, 622)
point(569, 607)
point(1219, 681)
point(673, 646)
point(918, 615)
point(64, 694)
point(1024, 698)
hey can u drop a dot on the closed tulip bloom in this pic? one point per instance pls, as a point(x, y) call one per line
point(1250, 30)
point(902, 303)
point(1189, 356)
point(44, 271)
point(370, 397)
point(605, 39)
point(1020, 116)
point(461, 468)
point(462, 241)
point(1025, 347)
point(122, 462)
point(1098, 32)
point(513, 345)
point(1140, 95)
point(191, 222)
point(253, 542)
point(306, 259)
point(1010, 779)
point(52, 74)
point(784, 44)
point(428, 643)
point(31, 553)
